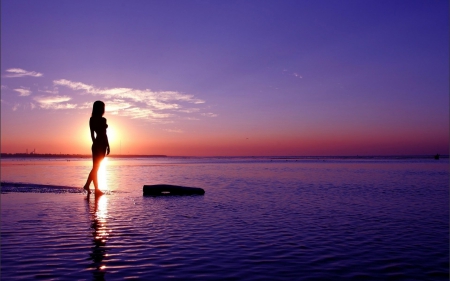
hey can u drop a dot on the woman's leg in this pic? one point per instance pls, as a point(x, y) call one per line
point(94, 172)
point(88, 181)
point(95, 168)
point(92, 177)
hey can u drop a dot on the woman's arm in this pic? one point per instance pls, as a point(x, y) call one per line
point(107, 148)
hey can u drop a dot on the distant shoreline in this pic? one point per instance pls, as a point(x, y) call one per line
point(82, 156)
point(49, 155)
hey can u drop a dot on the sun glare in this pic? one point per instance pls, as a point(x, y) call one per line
point(111, 134)
point(101, 176)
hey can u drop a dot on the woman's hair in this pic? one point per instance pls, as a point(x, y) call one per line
point(98, 109)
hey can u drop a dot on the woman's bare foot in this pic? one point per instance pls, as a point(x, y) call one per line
point(98, 192)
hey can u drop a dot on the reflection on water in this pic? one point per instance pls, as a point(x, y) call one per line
point(98, 214)
point(310, 220)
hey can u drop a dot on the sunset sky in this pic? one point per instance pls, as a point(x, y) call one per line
point(227, 78)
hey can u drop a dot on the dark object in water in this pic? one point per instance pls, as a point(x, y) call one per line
point(168, 189)
point(436, 156)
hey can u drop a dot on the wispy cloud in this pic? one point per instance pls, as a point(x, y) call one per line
point(51, 99)
point(128, 109)
point(154, 99)
point(136, 103)
point(23, 92)
point(116, 105)
point(144, 113)
point(295, 74)
point(54, 102)
point(85, 105)
point(74, 85)
point(209, 114)
point(18, 72)
point(190, 110)
point(49, 91)
point(155, 106)
point(178, 131)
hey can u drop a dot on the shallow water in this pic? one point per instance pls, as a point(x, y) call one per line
point(296, 219)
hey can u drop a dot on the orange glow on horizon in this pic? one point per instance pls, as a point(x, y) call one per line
point(130, 138)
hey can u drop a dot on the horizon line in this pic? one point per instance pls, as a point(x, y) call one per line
point(61, 155)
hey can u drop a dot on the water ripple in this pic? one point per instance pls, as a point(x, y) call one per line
point(261, 221)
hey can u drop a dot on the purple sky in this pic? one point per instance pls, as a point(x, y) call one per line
point(227, 77)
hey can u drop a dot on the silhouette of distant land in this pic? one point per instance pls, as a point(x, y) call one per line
point(49, 155)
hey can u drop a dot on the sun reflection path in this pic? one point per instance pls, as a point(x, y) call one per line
point(101, 213)
point(100, 233)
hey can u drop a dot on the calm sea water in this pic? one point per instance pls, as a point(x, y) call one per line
point(260, 219)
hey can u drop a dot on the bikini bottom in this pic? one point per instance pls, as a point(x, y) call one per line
point(98, 151)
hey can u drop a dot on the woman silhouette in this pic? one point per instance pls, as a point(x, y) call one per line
point(100, 144)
